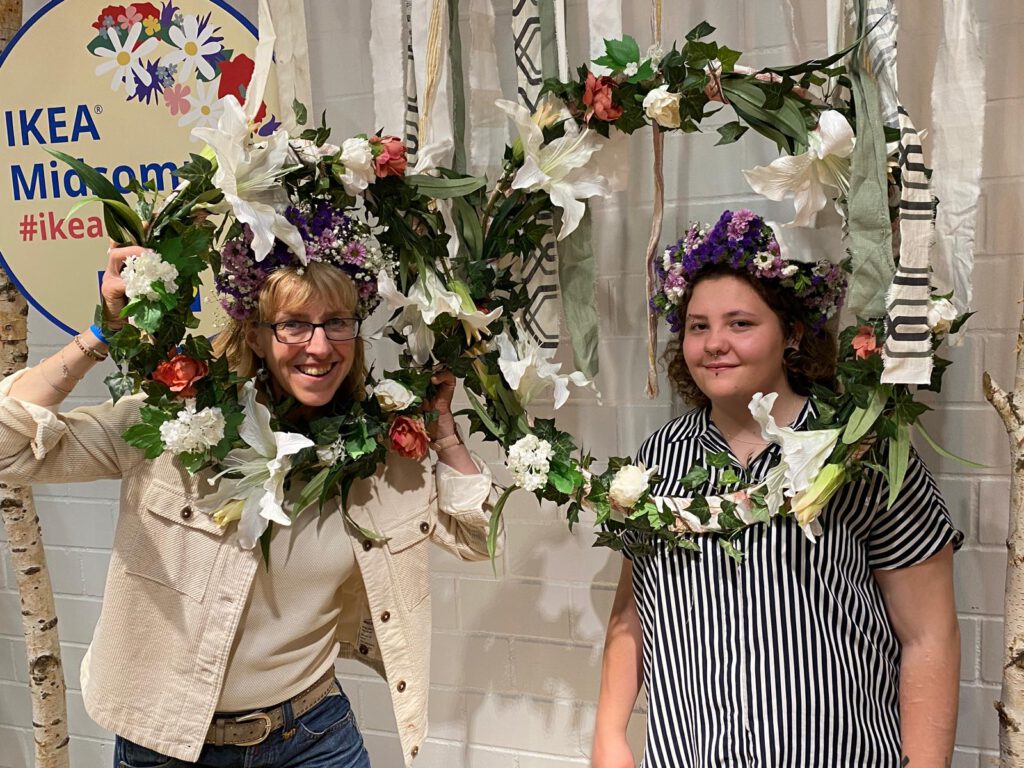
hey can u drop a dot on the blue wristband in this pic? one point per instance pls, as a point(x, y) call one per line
point(98, 333)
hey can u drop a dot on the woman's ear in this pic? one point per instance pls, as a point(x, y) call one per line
point(253, 340)
point(796, 335)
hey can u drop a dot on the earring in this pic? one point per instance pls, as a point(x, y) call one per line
point(261, 373)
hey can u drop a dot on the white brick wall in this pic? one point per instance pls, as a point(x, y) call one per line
point(517, 657)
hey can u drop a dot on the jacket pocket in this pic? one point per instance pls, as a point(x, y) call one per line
point(176, 545)
point(410, 562)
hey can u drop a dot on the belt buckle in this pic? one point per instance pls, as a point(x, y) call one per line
point(268, 727)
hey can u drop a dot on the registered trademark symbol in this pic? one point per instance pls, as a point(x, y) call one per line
point(98, 109)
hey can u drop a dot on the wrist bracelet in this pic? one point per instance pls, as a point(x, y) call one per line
point(86, 350)
point(98, 333)
point(450, 441)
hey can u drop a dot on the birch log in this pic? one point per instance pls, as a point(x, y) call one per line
point(1010, 406)
point(38, 615)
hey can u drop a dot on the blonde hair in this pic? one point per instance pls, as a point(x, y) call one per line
point(289, 289)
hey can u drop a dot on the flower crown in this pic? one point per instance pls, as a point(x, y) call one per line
point(740, 240)
point(331, 236)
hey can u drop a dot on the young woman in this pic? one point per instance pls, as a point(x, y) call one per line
point(844, 651)
point(202, 655)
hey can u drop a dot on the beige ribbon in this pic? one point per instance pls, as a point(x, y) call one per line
point(657, 220)
point(433, 66)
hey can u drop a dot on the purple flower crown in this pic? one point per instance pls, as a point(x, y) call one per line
point(330, 236)
point(740, 240)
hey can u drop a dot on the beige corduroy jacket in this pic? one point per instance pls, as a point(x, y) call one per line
point(177, 582)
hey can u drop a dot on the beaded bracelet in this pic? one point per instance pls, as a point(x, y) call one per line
point(88, 351)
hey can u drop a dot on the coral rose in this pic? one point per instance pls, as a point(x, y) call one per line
point(180, 374)
point(864, 343)
point(407, 436)
point(388, 156)
point(598, 96)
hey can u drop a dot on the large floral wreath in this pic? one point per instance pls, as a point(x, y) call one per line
point(443, 251)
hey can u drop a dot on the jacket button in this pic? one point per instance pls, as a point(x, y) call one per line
point(186, 513)
point(424, 527)
point(386, 616)
point(363, 650)
point(400, 686)
point(414, 751)
point(367, 545)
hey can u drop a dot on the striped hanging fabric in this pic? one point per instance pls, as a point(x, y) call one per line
point(412, 108)
point(541, 318)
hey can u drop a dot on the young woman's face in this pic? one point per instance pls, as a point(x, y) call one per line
point(733, 342)
point(312, 371)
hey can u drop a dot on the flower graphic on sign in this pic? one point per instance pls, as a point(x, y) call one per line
point(161, 55)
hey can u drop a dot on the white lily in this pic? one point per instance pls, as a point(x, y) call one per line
point(256, 498)
point(428, 299)
point(804, 452)
point(558, 168)
point(248, 174)
point(825, 164)
point(529, 371)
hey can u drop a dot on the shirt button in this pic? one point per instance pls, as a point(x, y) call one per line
point(186, 513)
point(367, 545)
point(386, 616)
point(414, 751)
point(400, 686)
point(424, 527)
point(364, 650)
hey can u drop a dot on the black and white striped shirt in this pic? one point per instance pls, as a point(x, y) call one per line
point(789, 658)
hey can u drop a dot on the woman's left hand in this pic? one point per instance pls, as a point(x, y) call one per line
point(441, 403)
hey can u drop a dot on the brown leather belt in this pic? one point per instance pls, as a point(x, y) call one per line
point(249, 729)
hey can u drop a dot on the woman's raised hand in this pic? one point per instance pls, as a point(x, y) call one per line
point(112, 288)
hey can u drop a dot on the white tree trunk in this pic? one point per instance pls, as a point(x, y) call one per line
point(38, 615)
point(1010, 406)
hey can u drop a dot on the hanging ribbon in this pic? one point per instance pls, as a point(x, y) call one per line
point(958, 114)
point(387, 45)
point(429, 28)
point(291, 60)
point(657, 220)
point(487, 125)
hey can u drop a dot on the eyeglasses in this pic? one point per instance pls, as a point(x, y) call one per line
point(300, 332)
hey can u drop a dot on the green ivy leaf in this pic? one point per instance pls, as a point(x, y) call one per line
point(730, 132)
point(701, 30)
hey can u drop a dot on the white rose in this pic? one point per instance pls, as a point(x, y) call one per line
point(357, 157)
point(941, 314)
point(662, 107)
point(393, 396)
point(309, 153)
point(629, 484)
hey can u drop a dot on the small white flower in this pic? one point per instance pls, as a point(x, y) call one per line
point(529, 462)
point(629, 484)
point(205, 107)
point(662, 106)
point(655, 53)
point(941, 314)
point(357, 157)
point(393, 396)
point(789, 270)
point(329, 455)
point(142, 270)
point(194, 43)
point(126, 59)
point(192, 432)
point(763, 260)
point(631, 69)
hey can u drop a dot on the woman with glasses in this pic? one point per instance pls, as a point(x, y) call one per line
point(206, 654)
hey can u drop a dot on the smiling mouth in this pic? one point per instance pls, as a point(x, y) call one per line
point(316, 371)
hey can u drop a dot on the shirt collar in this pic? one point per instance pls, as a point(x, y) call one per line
point(697, 423)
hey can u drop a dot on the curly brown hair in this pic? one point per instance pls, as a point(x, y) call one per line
point(812, 362)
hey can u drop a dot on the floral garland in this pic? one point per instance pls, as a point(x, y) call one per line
point(292, 200)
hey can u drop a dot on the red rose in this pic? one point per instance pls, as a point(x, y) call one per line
point(111, 12)
point(180, 374)
point(407, 436)
point(388, 156)
point(864, 343)
point(598, 96)
point(234, 81)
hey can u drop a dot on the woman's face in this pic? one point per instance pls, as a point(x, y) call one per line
point(733, 342)
point(311, 372)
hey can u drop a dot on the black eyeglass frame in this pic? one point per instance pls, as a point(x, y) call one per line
point(312, 329)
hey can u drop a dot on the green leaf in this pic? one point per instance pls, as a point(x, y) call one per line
point(719, 459)
point(312, 490)
point(116, 208)
point(481, 412)
point(442, 189)
point(730, 549)
point(495, 524)
point(899, 455)
point(730, 132)
point(300, 112)
point(943, 452)
point(624, 51)
point(695, 478)
point(863, 419)
point(701, 30)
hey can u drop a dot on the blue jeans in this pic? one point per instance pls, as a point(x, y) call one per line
point(324, 737)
